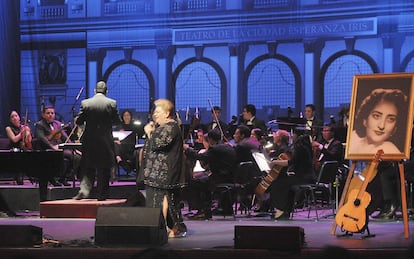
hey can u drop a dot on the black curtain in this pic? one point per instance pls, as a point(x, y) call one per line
point(9, 60)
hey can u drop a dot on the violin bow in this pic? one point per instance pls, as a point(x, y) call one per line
point(217, 121)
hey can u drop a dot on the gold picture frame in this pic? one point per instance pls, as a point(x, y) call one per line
point(380, 116)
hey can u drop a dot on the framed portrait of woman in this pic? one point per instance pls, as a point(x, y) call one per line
point(380, 116)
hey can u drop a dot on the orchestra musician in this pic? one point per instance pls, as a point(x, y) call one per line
point(125, 152)
point(49, 134)
point(313, 125)
point(200, 142)
point(216, 122)
point(279, 150)
point(342, 124)
point(299, 171)
point(245, 144)
point(280, 143)
point(250, 119)
point(20, 137)
point(330, 149)
point(219, 160)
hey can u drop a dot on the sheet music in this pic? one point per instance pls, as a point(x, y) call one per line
point(261, 161)
point(70, 145)
point(121, 135)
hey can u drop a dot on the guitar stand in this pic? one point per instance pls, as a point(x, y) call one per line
point(403, 200)
point(349, 234)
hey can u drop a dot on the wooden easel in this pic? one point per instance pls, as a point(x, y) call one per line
point(403, 197)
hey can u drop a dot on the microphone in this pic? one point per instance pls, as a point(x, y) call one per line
point(80, 92)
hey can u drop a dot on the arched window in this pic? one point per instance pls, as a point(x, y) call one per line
point(131, 84)
point(408, 63)
point(199, 82)
point(337, 75)
point(273, 85)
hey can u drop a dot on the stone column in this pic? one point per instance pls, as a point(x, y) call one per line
point(312, 87)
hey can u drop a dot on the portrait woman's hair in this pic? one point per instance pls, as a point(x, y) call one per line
point(394, 96)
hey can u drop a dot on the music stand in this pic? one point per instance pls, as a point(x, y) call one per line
point(291, 124)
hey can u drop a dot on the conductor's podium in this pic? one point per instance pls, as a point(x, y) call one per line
point(70, 208)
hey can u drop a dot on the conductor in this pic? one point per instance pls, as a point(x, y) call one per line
point(98, 114)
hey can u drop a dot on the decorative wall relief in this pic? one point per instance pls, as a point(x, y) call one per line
point(52, 67)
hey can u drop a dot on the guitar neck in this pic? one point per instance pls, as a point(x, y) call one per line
point(371, 171)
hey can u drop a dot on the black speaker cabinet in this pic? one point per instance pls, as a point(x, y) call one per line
point(130, 226)
point(281, 238)
point(20, 235)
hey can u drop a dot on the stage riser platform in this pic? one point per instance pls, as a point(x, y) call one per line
point(86, 208)
point(26, 197)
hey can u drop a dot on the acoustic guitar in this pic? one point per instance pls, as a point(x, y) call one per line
point(352, 216)
point(57, 133)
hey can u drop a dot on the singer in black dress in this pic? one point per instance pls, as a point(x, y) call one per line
point(162, 162)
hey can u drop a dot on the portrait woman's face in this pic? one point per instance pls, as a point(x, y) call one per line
point(380, 124)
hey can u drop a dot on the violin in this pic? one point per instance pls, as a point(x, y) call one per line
point(26, 143)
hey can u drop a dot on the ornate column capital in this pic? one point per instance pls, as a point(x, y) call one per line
point(165, 50)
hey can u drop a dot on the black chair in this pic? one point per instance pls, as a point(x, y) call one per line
point(238, 193)
point(320, 192)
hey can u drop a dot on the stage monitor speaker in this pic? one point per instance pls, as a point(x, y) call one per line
point(281, 238)
point(130, 226)
point(20, 235)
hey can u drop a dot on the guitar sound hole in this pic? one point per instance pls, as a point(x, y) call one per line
point(357, 202)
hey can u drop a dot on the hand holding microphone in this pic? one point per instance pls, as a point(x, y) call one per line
point(149, 128)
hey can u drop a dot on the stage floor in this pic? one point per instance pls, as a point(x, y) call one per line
point(74, 237)
point(216, 237)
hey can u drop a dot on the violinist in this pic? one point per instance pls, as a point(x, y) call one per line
point(219, 160)
point(50, 133)
point(245, 144)
point(330, 149)
point(216, 122)
point(20, 137)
